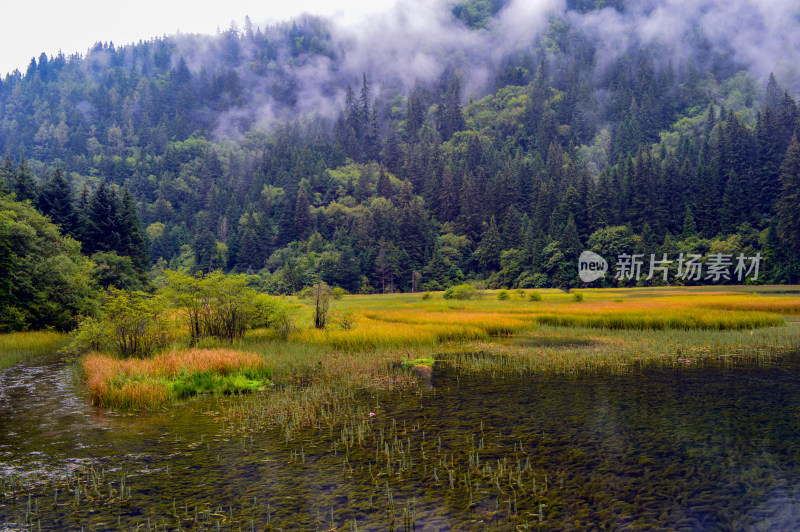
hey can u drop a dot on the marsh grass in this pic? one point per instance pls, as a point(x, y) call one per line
point(152, 383)
point(20, 346)
point(608, 328)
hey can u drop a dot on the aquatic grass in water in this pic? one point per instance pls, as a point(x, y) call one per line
point(19, 346)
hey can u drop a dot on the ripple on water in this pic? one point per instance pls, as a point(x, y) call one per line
point(694, 448)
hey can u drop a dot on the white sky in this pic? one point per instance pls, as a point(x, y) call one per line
point(31, 27)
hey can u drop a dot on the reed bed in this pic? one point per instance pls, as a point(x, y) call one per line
point(151, 383)
point(20, 346)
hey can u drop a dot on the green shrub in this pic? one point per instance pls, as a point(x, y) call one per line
point(461, 291)
point(130, 324)
point(338, 292)
point(344, 319)
point(534, 296)
point(214, 305)
point(426, 296)
point(502, 295)
point(577, 297)
point(274, 313)
point(305, 293)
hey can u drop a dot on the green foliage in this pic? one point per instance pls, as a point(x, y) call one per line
point(426, 296)
point(111, 269)
point(345, 319)
point(534, 296)
point(503, 295)
point(221, 306)
point(44, 279)
point(131, 324)
point(462, 291)
point(188, 385)
point(507, 189)
point(274, 313)
point(476, 13)
point(338, 292)
point(577, 297)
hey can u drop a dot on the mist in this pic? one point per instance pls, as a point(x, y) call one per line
point(419, 42)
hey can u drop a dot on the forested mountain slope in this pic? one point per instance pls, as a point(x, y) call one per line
point(482, 140)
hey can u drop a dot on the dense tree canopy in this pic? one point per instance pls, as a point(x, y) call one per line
point(45, 281)
point(153, 157)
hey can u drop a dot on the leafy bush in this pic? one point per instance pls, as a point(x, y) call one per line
point(338, 292)
point(215, 304)
point(577, 297)
point(426, 296)
point(345, 319)
point(461, 291)
point(534, 296)
point(503, 295)
point(130, 324)
point(274, 313)
point(305, 293)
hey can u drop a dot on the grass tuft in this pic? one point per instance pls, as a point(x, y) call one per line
point(152, 383)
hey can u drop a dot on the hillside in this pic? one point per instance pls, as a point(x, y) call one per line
point(484, 140)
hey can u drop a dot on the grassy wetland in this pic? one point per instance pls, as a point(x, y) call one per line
point(634, 408)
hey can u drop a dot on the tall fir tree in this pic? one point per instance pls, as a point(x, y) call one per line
point(102, 221)
point(57, 201)
point(788, 207)
point(24, 183)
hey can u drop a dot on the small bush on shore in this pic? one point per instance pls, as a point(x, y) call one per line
point(461, 291)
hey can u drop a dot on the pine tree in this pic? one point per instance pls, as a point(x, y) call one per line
point(689, 224)
point(415, 114)
point(7, 175)
point(24, 184)
point(788, 207)
point(384, 187)
point(56, 201)
point(302, 215)
point(133, 241)
point(488, 252)
point(448, 202)
point(103, 224)
point(734, 209)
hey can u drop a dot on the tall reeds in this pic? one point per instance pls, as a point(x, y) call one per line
point(19, 346)
point(135, 383)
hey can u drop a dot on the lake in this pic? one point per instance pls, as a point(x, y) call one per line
point(697, 448)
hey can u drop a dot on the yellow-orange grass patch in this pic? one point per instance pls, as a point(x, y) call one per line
point(142, 383)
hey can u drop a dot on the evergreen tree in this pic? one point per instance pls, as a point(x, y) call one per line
point(24, 184)
point(788, 207)
point(133, 241)
point(7, 175)
point(103, 223)
point(384, 187)
point(488, 251)
point(56, 200)
point(302, 215)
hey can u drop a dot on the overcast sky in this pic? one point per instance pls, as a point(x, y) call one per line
point(31, 27)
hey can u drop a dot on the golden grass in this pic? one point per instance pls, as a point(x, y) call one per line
point(146, 383)
point(405, 320)
point(321, 369)
point(19, 346)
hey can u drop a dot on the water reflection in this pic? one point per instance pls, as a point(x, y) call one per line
point(694, 448)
